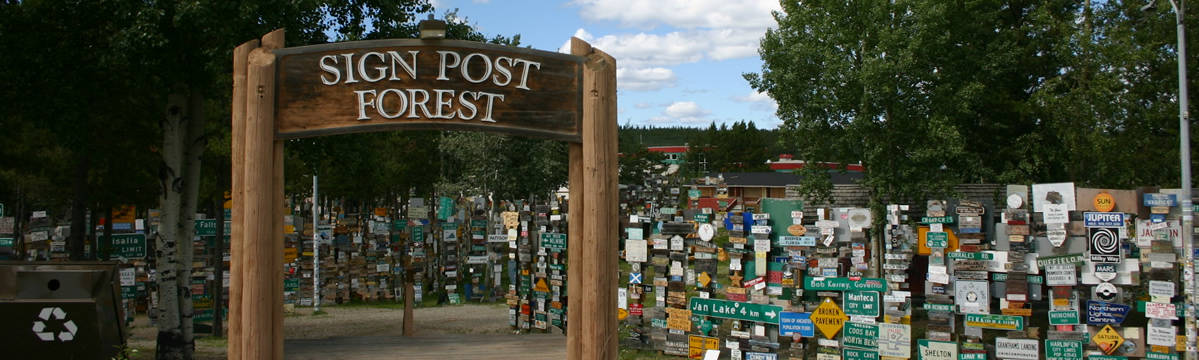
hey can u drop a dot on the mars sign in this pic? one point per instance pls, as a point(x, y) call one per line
point(401, 84)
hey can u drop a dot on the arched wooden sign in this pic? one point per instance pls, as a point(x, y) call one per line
point(283, 93)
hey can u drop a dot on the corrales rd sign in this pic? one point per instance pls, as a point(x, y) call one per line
point(415, 84)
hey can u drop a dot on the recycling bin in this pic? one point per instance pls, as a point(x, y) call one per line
point(60, 310)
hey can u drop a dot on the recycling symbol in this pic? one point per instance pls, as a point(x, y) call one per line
point(57, 314)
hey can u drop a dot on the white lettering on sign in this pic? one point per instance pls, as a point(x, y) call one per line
point(394, 66)
point(1027, 349)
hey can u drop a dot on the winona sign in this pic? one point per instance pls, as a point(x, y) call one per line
point(361, 86)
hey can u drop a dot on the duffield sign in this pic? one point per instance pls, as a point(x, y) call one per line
point(412, 84)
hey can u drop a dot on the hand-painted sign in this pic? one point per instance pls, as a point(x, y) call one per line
point(735, 310)
point(796, 323)
point(1102, 312)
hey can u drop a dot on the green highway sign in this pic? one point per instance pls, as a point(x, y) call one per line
point(939, 307)
point(206, 227)
point(936, 220)
point(861, 303)
point(860, 335)
point(1063, 349)
point(855, 354)
point(735, 310)
point(1063, 317)
point(1000, 322)
point(970, 255)
point(1159, 356)
point(938, 240)
point(703, 218)
point(1106, 357)
point(6, 242)
point(291, 284)
point(553, 240)
point(129, 246)
point(844, 284)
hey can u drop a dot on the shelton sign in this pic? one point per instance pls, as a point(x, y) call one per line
point(390, 84)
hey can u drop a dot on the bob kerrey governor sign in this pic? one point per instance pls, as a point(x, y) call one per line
point(410, 84)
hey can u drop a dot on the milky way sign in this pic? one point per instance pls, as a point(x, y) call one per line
point(413, 84)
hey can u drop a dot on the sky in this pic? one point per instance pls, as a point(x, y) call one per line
point(679, 62)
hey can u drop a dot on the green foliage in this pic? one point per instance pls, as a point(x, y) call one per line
point(929, 94)
point(637, 166)
point(740, 148)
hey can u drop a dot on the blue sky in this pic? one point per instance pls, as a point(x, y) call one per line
point(680, 61)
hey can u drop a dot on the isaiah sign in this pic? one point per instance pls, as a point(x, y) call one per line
point(383, 84)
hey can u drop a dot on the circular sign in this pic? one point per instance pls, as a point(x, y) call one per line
point(706, 232)
point(797, 230)
point(1104, 202)
point(1014, 201)
point(1106, 291)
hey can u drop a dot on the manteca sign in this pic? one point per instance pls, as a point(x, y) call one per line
point(413, 84)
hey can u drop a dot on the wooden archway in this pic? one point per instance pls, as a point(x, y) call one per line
point(281, 93)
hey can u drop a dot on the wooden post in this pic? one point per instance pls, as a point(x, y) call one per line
point(574, 251)
point(597, 286)
point(271, 41)
point(237, 232)
point(257, 315)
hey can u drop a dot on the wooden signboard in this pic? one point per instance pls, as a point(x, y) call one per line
point(413, 84)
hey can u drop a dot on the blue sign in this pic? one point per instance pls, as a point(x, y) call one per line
point(796, 323)
point(1102, 312)
point(635, 278)
point(1157, 218)
point(789, 240)
point(760, 356)
point(1103, 219)
point(1158, 199)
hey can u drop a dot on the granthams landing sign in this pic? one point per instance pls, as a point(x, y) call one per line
point(414, 84)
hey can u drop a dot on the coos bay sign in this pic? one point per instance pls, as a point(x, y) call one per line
point(413, 84)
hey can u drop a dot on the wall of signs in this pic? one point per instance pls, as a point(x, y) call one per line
point(1047, 271)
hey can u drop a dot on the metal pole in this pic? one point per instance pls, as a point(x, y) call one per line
point(1184, 152)
point(316, 251)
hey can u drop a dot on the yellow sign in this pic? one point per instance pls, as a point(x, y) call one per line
point(1104, 202)
point(621, 314)
point(541, 287)
point(380, 211)
point(704, 279)
point(290, 254)
point(124, 214)
point(678, 319)
point(698, 345)
point(1108, 339)
point(829, 318)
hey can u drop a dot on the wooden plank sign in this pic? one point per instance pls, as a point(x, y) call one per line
point(413, 84)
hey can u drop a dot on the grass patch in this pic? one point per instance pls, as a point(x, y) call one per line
point(212, 341)
point(319, 313)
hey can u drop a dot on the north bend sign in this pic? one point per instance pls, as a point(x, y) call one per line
point(414, 84)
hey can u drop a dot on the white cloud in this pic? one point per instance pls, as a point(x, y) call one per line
point(758, 101)
point(647, 50)
point(644, 79)
point(683, 112)
point(685, 14)
point(643, 105)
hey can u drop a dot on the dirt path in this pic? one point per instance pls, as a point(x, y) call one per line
point(374, 332)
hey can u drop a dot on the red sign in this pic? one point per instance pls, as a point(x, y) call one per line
point(635, 309)
point(757, 280)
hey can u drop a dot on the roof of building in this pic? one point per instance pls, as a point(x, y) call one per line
point(777, 179)
point(668, 149)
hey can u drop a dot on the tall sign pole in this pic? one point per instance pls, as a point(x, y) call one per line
point(316, 251)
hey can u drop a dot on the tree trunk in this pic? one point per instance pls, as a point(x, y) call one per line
point(218, 265)
point(183, 142)
point(171, 344)
point(79, 208)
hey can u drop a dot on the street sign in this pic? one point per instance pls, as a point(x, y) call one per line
point(1157, 199)
point(129, 246)
point(791, 240)
point(553, 240)
point(1108, 339)
point(1063, 349)
point(958, 255)
point(999, 322)
point(855, 354)
point(844, 284)
point(828, 318)
point(936, 220)
point(735, 310)
point(796, 323)
point(205, 227)
point(1075, 259)
point(860, 335)
point(1063, 317)
point(936, 350)
point(862, 303)
point(938, 240)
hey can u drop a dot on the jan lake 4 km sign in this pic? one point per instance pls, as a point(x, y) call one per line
point(735, 310)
